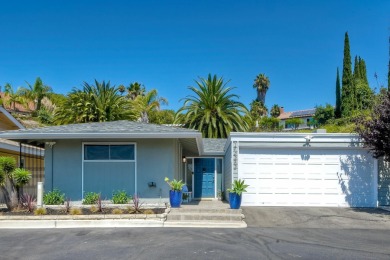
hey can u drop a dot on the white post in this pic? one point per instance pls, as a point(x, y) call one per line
point(39, 194)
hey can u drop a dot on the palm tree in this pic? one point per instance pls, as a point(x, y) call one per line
point(212, 109)
point(121, 89)
point(12, 97)
point(275, 111)
point(134, 90)
point(144, 105)
point(261, 84)
point(94, 103)
point(258, 110)
point(35, 93)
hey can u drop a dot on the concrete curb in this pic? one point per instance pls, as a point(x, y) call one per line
point(102, 223)
point(205, 224)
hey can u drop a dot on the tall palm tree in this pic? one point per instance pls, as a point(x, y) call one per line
point(143, 105)
point(121, 89)
point(212, 109)
point(261, 85)
point(94, 103)
point(35, 93)
point(134, 90)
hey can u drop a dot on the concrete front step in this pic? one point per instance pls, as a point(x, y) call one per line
point(189, 216)
point(205, 210)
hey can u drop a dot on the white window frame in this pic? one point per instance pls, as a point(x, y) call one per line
point(107, 161)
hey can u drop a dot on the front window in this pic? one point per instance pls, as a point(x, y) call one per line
point(117, 152)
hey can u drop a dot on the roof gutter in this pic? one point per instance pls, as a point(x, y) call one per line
point(61, 136)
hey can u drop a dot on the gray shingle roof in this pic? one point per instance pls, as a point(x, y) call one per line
point(214, 145)
point(107, 127)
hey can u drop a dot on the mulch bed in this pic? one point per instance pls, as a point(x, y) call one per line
point(84, 211)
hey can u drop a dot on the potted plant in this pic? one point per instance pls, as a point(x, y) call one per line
point(175, 194)
point(235, 193)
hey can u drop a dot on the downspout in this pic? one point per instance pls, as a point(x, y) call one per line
point(51, 144)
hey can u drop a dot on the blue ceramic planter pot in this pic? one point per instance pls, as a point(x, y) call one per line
point(175, 198)
point(234, 200)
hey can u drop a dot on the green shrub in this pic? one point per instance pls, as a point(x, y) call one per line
point(91, 198)
point(120, 197)
point(54, 197)
point(21, 176)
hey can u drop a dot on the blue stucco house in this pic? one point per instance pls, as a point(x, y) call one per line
point(282, 169)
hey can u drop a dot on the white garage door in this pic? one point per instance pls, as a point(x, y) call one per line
point(304, 177)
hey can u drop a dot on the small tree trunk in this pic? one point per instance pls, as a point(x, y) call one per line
point(11, 199)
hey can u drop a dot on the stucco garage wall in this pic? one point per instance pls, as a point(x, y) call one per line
point(383, 183)
point(155, 159)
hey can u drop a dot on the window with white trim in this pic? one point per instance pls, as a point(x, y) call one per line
point(114, 152)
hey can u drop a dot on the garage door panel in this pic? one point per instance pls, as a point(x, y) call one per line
point(307, 177)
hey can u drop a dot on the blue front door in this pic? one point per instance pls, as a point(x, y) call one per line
point(204, 177)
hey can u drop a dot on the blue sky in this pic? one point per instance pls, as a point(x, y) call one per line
point(167, 44)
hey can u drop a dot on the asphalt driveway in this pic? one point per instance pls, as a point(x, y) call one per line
point(309, 217)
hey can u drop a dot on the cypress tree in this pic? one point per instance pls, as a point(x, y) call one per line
point(347, 93)
point(337, 111)
point(388, 77)
point(363, 70)
point(356, 68)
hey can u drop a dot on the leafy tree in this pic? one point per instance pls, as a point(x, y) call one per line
point(347, 91)
point(35, 93)
point(94, 103)
point(162, 117)
point(337, 111)
point(261, 85)
point(144, 105)
point(323, 114)
point(212, 109)
point(57, 99)
point(258, 109)
point(275, 111)
point(375, 129)
point(294, 122)
point(269, 124)
point(134, 90)
point(12, 179)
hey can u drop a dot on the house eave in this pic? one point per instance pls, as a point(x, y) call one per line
point(62, 136)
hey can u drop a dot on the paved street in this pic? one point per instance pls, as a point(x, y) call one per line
point(179, 243)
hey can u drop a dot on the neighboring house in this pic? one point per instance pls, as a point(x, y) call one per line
point(282, 169)
point(26, 155)
point(306, 116)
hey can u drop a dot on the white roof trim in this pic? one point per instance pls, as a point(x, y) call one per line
point(296, 137)
point(46, 136)
point(11, 118)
